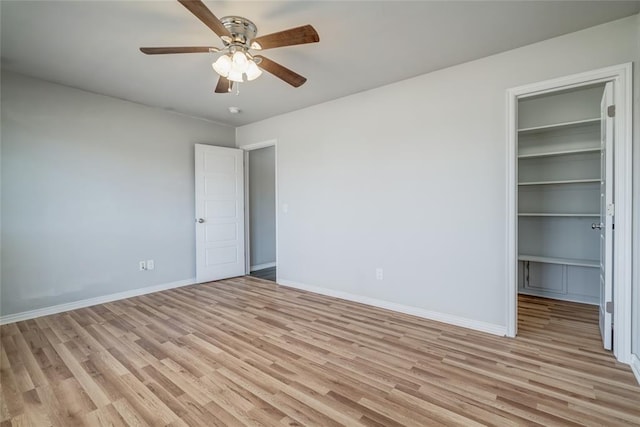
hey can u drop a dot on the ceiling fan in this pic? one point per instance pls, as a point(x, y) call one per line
point(238, 35)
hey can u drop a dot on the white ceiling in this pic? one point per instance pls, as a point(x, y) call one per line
point(93, 45)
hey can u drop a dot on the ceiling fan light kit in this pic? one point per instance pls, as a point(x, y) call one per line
point(235, 66)
point(236, 63)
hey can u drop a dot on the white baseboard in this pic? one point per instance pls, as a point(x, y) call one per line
point(415, 311)
point(55, 309)
point(635, 366)
point(262, 266)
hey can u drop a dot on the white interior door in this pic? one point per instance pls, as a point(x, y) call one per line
point(606, 218)
point(219, 186)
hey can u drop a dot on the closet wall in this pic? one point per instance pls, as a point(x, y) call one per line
point(262, 207)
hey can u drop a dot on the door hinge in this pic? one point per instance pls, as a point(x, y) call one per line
point(611, 111)
point(609, 307)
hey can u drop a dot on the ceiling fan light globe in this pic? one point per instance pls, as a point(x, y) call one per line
point(253, 72)
point(235, 76)
point(240, 61)
point(223, 65)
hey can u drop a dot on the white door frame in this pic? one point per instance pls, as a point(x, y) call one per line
point(622, 78)
point(247, 229)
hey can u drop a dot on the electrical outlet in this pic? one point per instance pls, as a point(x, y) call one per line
point(142, 266)
point(379, 274)
point(150, 264)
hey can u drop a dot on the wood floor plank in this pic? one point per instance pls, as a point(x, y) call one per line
point(12, 401)
point(107, 416)
point(94, 391)
point(73, 399)
point(35, 375)
point(128, 413)
point(246, 351)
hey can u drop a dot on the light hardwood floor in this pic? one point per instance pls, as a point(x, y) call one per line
point(248, 352)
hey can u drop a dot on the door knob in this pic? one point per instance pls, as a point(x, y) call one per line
point(200, 220)
point(595, 226)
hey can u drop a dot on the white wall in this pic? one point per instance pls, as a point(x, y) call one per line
point(635, 342)
point(262, 200)
point(411, 177)
point(90, 186)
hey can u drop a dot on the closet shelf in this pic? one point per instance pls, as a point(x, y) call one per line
point(558, 153)
point(559, 126)
point(564, 261)
point(575, 215)
point(561, 182)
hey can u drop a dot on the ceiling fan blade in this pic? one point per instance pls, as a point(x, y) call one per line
point(180, 49)
point(224, 85)
point(206, 16)
point(293, 36)
point(283, 73)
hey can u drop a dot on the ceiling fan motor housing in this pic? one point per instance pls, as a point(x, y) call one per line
point(242, 30)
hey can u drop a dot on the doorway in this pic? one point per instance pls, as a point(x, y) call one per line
point(260, 202)
point(561, 199)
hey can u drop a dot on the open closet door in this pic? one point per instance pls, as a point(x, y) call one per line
point(606, 217)
point(219, 185)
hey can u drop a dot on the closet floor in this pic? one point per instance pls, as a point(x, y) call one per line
point(550, 320)
point(265, 273)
